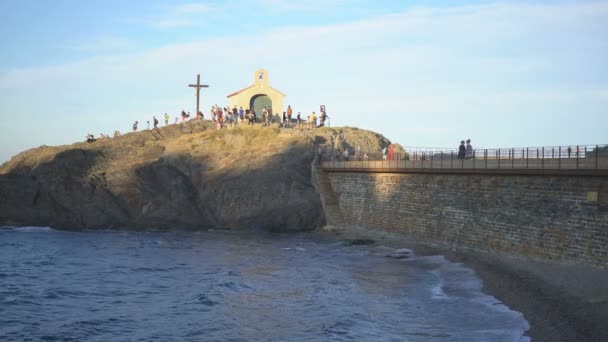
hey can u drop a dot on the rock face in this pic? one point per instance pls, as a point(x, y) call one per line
point(186, 176)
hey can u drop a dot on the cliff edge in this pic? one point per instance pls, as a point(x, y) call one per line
point(186, 176)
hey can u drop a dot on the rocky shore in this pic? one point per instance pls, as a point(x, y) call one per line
point(192, 176)
point(184, 176)
point(561, 302)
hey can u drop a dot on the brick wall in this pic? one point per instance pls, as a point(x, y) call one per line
point(539, 216)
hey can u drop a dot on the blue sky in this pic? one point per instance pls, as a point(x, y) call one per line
point(423, 73)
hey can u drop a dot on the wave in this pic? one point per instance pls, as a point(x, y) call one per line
point(28, 229)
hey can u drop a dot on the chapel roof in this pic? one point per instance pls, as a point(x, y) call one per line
point(240, 91)
point(251, 86)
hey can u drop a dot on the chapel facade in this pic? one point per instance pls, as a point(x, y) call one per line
point(258, 95)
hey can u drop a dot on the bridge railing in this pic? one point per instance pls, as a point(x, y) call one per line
point(567, 157)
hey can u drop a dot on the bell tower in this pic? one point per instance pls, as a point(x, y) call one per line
point(260, 77)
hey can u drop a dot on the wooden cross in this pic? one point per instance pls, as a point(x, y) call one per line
point(198, 87)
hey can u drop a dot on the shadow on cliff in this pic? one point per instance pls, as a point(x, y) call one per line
point(171, 191)
point(183, 191)
point(63, 192)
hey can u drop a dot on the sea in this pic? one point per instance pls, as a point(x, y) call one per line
point(228, 286)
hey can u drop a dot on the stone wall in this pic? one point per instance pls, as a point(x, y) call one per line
point(561, 218)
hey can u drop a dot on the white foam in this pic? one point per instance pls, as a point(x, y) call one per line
point(29, 229)
point(437, 291)
point(464, 284)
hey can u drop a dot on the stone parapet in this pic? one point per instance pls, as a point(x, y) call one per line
point(560, 218)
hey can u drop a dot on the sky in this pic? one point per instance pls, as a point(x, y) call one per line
point(422, 73)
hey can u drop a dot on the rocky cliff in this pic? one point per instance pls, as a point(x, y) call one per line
point(187, 176)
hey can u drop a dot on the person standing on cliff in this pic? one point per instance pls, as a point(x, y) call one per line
point(166, 119)
point(155, 122)
point(358, 153)
point(250, 117)
point(299, 118)
point(469, 150)
point(235, 115)
point(266, 116)
point(461, 150)
point(220, 119)
point(289, 114)
point(135, 126)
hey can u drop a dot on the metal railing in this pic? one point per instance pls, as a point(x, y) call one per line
point(568, 157)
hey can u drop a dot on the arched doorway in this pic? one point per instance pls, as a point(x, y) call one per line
point(258, 102)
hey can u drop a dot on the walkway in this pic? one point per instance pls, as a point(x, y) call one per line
point(549, 160)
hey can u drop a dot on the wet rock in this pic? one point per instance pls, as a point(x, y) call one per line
point(402, 253)
point(358, 242)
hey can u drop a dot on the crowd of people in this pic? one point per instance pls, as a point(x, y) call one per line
point(230, 117)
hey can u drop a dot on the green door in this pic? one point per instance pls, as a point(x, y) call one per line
point(258, 103)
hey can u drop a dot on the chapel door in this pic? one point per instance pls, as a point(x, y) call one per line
point(258, 103)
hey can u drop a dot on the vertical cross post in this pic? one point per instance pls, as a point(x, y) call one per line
point(198, 87)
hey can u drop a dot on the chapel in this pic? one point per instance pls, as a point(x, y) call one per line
point(258, 95)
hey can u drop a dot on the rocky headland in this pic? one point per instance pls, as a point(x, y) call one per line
point(184, 176)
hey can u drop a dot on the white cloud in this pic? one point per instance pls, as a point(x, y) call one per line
point(103, 44)
point(422, 77)
point(299, 5)
point(193, 8)
point(183, 15)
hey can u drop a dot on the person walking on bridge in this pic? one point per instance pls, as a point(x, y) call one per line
point(469, 150)
point(461, 150)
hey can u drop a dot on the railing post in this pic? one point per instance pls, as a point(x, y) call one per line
point(485, 156)
point(423, 160)
point(552, 155)
point(452, 160)
point(441, 162)
point(462, 162)
point(559, 158)
point(585, 156)
point(512, 158)
point(597, 150)
point(577, 149)
point(498, 157)
point(432, 154)
point(527, 156)
point(542, 161)
point(474, 159)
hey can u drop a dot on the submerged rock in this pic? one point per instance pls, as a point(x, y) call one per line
point(401, 253)
point(358, 242)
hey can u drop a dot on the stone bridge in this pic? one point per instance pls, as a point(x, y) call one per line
point(544, 208)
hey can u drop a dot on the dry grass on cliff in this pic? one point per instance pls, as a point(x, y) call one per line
point(240, 147)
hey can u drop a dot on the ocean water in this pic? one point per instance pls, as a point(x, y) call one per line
point(220, 286)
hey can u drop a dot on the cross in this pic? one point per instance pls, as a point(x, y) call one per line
point(198, 87)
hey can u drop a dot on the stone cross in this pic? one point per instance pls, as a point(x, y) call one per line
point(198, 87)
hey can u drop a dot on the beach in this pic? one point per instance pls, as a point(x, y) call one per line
point(562, 302)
